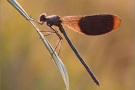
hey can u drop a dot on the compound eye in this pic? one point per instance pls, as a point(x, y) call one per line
point(42, 17)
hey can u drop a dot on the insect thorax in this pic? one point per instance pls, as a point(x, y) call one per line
point(53, 20)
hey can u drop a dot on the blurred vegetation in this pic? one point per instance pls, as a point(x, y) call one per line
point(26, 64)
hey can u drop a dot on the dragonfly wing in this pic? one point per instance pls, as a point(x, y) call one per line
point(71, 22)
point(92, 25)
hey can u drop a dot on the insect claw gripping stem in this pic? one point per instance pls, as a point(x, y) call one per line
point(49, 33)
point(32, 19)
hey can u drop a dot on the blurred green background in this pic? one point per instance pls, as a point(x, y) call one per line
point(27, 65)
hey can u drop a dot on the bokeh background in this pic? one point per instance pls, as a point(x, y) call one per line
point(27, 65)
